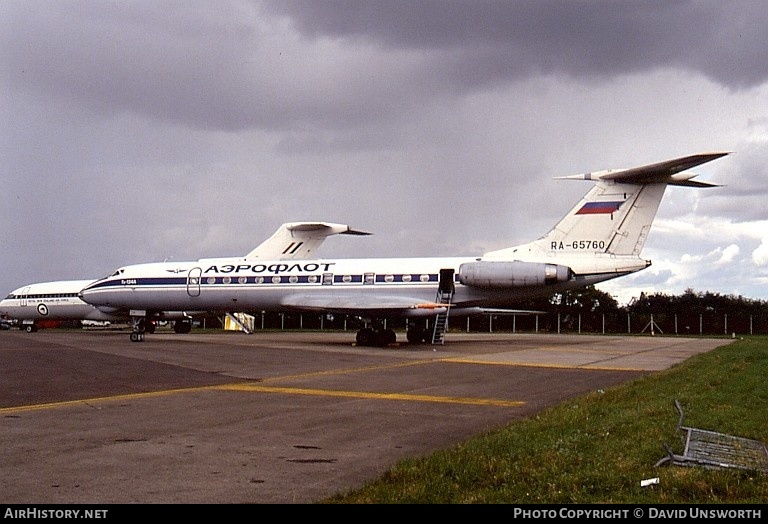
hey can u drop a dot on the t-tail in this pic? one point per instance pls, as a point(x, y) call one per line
point(603, 235)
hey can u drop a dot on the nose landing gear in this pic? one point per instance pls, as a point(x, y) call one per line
point(138, 328)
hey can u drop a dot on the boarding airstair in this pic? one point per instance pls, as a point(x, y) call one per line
point(444, 296)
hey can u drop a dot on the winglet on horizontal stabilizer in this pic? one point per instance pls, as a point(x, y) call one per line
point(667, 172)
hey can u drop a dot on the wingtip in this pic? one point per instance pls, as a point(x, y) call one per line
point(717, 154)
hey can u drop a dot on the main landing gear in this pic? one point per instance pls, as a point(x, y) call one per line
point(182, 326)
point(374, 333)
point(380, 336)
point(417, 335)
point(369, 336)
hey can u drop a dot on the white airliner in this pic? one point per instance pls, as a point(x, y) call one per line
point(599, 239)
point(51, 301)
point(60, 301)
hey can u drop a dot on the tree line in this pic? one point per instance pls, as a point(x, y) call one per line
point(592, 310)
point(587, 310)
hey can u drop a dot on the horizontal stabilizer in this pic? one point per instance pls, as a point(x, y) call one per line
point(667, 172)
point(300, 229)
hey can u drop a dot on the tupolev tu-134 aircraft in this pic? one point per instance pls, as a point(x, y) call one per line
point(601, 238)
point(60, 300)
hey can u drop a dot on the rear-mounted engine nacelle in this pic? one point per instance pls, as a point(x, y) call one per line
point(512, 274)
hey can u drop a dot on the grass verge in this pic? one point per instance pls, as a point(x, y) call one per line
point(598, 447)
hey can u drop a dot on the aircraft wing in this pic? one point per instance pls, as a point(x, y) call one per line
point(494, 311)
point(363, 305)
point(298, 240)
point(387, 306)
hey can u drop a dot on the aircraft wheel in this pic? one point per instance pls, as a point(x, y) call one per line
point(137, 337)
point(30, 329)
point(385, 337)
point(365, 337)
point(415, 335)
point(182, 326)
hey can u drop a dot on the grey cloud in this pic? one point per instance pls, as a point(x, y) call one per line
point(217, 66)
point(484, 41)
point(236, 65)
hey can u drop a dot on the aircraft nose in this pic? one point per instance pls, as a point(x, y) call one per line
point(87, 293)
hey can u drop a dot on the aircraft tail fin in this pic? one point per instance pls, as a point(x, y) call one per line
point(297, 240)
point(615, 216)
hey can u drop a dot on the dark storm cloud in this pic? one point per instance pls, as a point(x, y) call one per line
point(163, 59)
point(484, 41)
point(213, 65)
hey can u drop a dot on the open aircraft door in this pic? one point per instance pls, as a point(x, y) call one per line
point(193, 281)
point(446, 285)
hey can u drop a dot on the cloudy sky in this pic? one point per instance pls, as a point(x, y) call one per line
point(138, 131)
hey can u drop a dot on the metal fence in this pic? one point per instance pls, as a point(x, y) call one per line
point(618, 323)
point(622, 323)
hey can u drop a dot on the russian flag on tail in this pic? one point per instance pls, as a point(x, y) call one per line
point(599, 208)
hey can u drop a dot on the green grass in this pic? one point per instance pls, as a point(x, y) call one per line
point(598, 447)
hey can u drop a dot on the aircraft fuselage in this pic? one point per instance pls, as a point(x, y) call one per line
point(332, 285)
